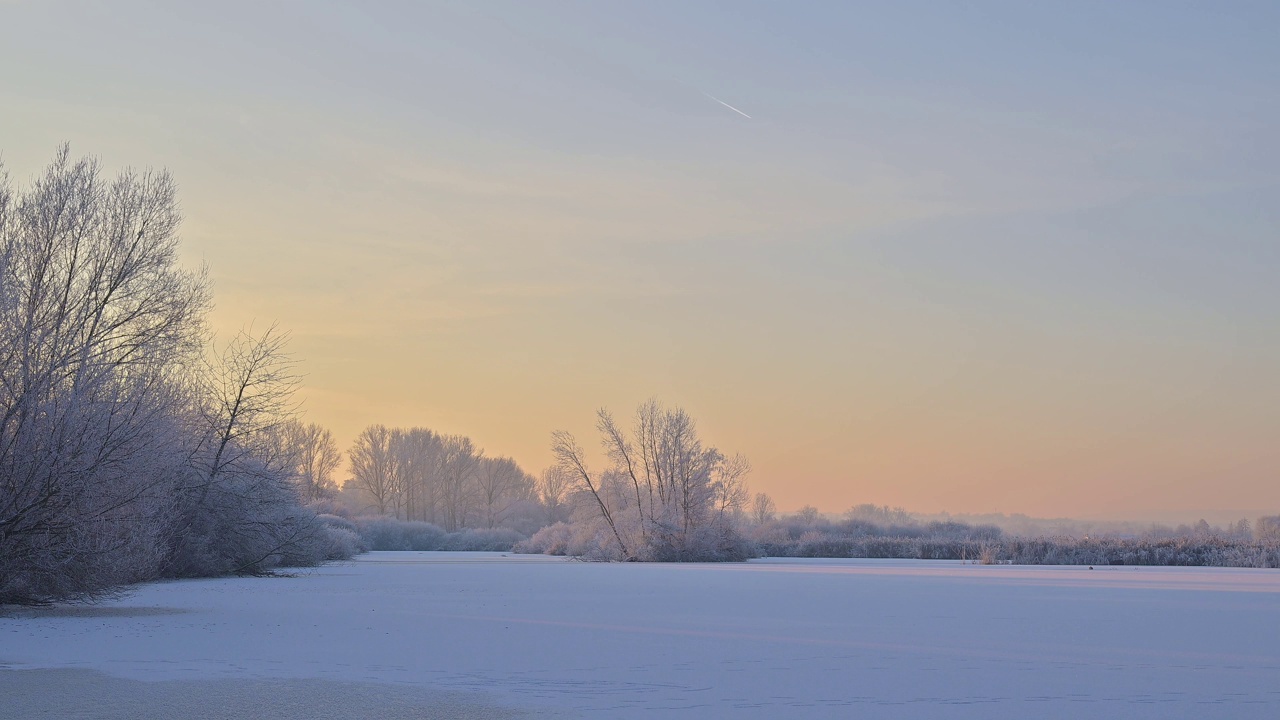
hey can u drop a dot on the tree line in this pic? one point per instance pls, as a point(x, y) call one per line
point(417, 474)
point(660, 494)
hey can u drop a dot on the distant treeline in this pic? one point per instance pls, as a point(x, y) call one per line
point(664, 496)
point(806, 534)
point(445, 480)
point(385, 533)
point(803, 535)
point(809, 535)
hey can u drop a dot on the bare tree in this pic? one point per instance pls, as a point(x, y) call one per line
point(729, 488)
point(418, 474)
point(678, 497)
point(97, 324)
point(1267, 529)
point(240, 512)
point(373, 466)
point(808, 515)
point(881, 514)
point(417, 453)
point(500, 482)
point(316, 457)
point(247, 404)
point(763, 509)
point(570, 456)
point(459, 460)
point(553, 490)
point(676, 468)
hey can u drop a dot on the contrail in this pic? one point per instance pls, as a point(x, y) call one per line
point(713, 97)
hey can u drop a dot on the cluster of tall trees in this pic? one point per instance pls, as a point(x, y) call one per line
point(127, 451)
point(418, 474)
point(661, 494)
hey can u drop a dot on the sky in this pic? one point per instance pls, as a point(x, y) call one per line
point(966, 257)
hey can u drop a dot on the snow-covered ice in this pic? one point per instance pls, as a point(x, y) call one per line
point(484, 634)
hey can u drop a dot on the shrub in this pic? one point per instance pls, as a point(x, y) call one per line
point(382, 533)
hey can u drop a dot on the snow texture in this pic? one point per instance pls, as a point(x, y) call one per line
point(488, 635)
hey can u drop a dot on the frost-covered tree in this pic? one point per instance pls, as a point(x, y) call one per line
point(98, 329)
point(373, 467)
point(416, 454)
point(553, 489)
point(664, 495)
point(239, 511)
point(459, 461)
point(1267, 529)
point(729, 486)
point(808, 516)
point(247, 405)
point(501, 485)
point(417, 474)
point(123, 453)
point(882, 514)
point(315, 458)
point(763, 509)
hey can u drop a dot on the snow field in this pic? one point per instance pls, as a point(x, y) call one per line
point(488, 635)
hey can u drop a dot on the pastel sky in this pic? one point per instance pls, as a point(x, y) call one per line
point(965, 256)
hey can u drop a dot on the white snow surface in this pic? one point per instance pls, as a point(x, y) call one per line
point(768, 638)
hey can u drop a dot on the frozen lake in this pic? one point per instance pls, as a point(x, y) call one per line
point(487, 635)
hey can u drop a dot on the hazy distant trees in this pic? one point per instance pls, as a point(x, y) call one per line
point(415, 453)
point(729, 493)
point(882, 514)
point(501, 485)
point(419, 475)
point(763, 509)
point(808, 515)
point(456, 469)
point(373, 467)
point(110, 423)
point(553, 490)
point(663, 495)
point(1267, 529)
point(869, 531)
point(315, 457)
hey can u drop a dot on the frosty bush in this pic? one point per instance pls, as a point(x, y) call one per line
point(554, 539)
point(343, 544)
point(384, 533)
point(335, 521)
point(589, 539)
